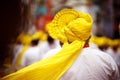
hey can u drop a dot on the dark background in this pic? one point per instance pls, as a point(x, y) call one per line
point(10, 19)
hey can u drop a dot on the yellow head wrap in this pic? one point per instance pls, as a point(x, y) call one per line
point(20, 37)
point(67, 26)
point(42, 36)
point(26, 42)
point(99, 41)
point(115, 42)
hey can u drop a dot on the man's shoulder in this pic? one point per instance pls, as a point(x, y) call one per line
point(95, 52)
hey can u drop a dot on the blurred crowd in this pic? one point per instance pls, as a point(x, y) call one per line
point(29, 49)
point(40, 12)
point(34, 42)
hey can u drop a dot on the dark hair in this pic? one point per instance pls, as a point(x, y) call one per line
point(50, 40)
point(35, 42)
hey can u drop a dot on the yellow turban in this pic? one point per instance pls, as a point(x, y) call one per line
point(67, 26)
point(100, 41)
point(20, 37)
point(39, 35)
point(26, 40)
point(115, 42)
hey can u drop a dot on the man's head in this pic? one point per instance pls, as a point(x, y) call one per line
point(34, 42)
point(69, 25)
point(50, 40)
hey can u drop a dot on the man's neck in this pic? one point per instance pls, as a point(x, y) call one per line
point(86, 45)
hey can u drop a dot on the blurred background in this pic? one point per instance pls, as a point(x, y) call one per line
point(31, 16)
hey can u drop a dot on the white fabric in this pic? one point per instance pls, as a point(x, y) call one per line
point(93, 45)
point(51, 52)
point(114, 55)
point(92, 64)
point(16, 51)
point(45, 47)
point(31, 56)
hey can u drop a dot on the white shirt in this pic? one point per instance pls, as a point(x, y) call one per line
point(114, 55)
point(92, 64)
point(45, 47)
point(31, 56)
point(51, 52)
point(93, 45)
point(16, 52)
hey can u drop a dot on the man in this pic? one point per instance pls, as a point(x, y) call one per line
point(49, 45)
point(19, 52)
point(31, 55)
point(75, 61)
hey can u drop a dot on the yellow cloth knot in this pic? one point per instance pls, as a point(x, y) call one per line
point(69, 25)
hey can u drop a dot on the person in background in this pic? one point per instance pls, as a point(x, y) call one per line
point(113, 51)
point(18, 47)
point(76, 60)
point(53, 47)
point(32, 54)
point(26, 40)
point(41, 8)
point(102, 43)
point(49, 45)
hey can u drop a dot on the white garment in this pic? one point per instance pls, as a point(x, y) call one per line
point(16, 51)
point(45, 47)
point(51, 52)
point(93, 45)
point(31, 56)
point(92, 64)
point(114, 55)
